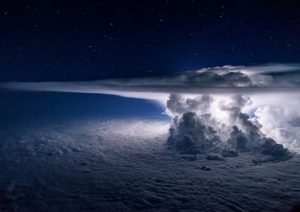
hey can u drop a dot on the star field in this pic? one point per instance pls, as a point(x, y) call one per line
point(62, 40)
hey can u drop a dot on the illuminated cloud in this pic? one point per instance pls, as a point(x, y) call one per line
point(270, 78)
point(219, 102)
point(197, 127)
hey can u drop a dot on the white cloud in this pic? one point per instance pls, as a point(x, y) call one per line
point(281, 124)
point(269, 87)
point(271, 78)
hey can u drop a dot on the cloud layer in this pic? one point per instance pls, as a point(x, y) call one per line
point(270, 78)
point(223, 92)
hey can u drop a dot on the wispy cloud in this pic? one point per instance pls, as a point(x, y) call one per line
point(226, 79)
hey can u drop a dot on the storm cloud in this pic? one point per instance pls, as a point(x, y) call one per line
point(200, 127)
point(217, 105)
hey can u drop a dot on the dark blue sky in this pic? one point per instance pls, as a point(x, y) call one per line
point(88, 40)
point(26, 108)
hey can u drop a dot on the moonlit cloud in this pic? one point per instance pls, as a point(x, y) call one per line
point(280, 123)
point(271, 78)
point(245, 97)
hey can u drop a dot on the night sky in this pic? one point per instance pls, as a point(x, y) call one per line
point(146, 105)
point(89, 40)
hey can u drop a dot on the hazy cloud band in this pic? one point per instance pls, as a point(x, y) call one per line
point(269, 78)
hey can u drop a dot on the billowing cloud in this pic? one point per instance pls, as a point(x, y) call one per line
point(281, 123)
point(212, 106)
point(198, 127)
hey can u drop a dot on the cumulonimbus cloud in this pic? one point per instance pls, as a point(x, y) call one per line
point(281, 82)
